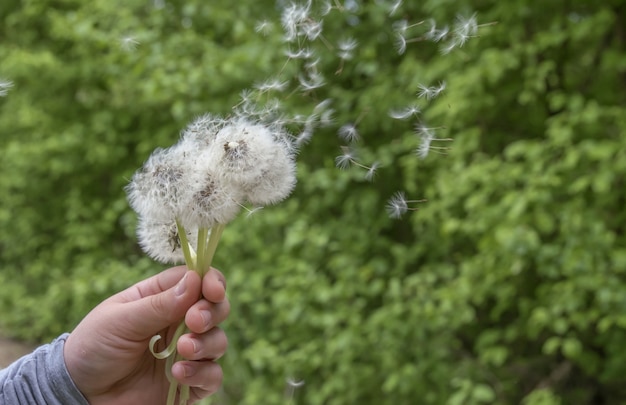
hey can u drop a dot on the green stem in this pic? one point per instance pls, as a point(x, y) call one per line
point(171, 348)
point(184, 244)
point(171, 393)
point(184, 395)
point(214, 238)
point(201, 249)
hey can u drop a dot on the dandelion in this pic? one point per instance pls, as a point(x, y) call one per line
point(184, 195)
point(398, 205)
point(5, 85)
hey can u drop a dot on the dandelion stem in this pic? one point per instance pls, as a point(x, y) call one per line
point(184, 395)
point(171, 347)
point(184, 244)
point(214, 238)
point(171, 393)
point(202, 246)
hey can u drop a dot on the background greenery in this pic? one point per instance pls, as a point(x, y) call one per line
point(507, 286)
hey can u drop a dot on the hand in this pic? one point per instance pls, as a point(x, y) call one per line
point(107, 355)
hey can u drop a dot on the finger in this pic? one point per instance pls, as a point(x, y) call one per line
point(214, 286)
point(205, 377)
point(204, 315)
point(210, 345)
point(156, 284)
point(147, 316)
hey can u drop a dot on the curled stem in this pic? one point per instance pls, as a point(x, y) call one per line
point(171, 348)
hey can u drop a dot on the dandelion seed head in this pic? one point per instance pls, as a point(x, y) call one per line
point(155, 191)
point(257, 159)
point(161, 242)
point(212, 201)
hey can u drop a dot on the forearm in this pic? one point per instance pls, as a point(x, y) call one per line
point(40, 378)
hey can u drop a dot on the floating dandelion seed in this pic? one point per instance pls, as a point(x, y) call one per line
point(312, 82)
point(292, 386)
point(395, 6)
point(346, 48)
point(5, 85)
point(398, 205)
point(405, 113)
point(371, 172)
point(349, 133)
point(272, 85)
point(427, 137)
point(264, 27)
point(344, 160)
point(430, 92)
point(129, 43)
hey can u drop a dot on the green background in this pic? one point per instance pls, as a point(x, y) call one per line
point(508, 286)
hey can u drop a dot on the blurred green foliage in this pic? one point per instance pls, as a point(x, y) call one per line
point(507, 286)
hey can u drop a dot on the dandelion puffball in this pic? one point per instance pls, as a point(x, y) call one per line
point(217, 167)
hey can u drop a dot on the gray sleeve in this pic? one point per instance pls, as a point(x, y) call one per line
point(40, 378)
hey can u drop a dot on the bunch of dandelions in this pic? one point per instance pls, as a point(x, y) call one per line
point(185, 195)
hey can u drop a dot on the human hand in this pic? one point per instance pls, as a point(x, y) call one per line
point(107, 355)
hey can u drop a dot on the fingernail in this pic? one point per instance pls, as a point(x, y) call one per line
point(181, 287)
point(206, 317)
point(188, 370)
point(196, 345)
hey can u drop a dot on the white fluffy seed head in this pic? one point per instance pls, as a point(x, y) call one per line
point(202, 130)
point(156, 189)
point(255, 159)
point(161, 242)
point(211, 201)
point(207, 177)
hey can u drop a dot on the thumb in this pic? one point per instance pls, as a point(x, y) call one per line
point(153, 313)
